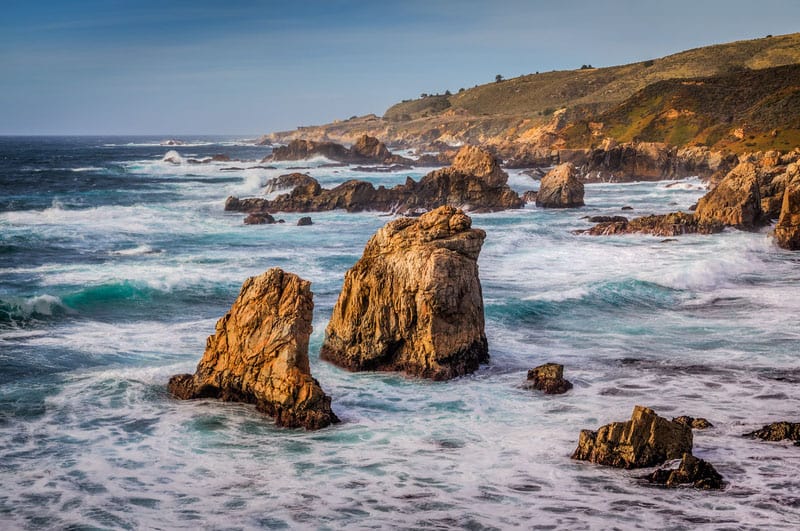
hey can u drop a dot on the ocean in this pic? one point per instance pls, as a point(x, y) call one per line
point(115, 265)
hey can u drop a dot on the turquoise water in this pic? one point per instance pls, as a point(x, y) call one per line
point(115, 267)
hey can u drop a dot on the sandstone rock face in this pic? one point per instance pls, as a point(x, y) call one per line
point(413, 301)
point(787, 231)
point(447, 186)
point(645, 440)
point(778, 431)
point(692, 471)
point(735, 202)
point(472, 160)
point(698, 423)
point(560, 188)
point(549, 378)
point(259, 354)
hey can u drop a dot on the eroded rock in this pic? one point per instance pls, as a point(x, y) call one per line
point(778, 431)
point(787, 231)
point(645, 440)
point(413, 301)
point(692, 471)
point(560, 188)
point(549, 378)
point(698, 423)
point(258, 354)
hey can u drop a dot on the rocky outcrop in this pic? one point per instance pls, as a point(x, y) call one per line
point(366, 149)
point(413, 301)
point(692, 471)
point(259, 218)
point(735, 202)
point(778, 431)
point(304, 221)
point(290, 181)
point(453, 186)
point(259, 354)
point(560, 188)
point(698, 423)
point(663, 225)
point(549, 378)
point(645, 440)
point(787, 231)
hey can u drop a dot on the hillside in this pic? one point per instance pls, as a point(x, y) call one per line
point(534, 109)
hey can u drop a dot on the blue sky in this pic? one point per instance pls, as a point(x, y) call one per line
point(248, 67)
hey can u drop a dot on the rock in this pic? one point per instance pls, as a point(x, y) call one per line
point(645, 440)
point(259, 354)
point(259, 218)
point(291, 181)
point(626, 207)
point(529, 197)
point(607, 219)
point(736, 200)
point(413, 301)
point(304, 221)
point(787, 231)
point(560, 188)
point(549, 378)
point(473, 160)
point(674, 224)
point(365, 149)
point(692, 471)
point(172, 142)
point(370, 148)
point(446, 186)
point(778, 431)
point(173, 157)
point(694, 423)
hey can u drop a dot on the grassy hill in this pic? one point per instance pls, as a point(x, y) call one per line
point(537, 108)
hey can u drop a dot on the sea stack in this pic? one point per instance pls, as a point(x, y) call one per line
point(413, 301)
point(560, 188)
point(259, 354)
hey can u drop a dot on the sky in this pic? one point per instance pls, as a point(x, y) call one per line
point(246, 67)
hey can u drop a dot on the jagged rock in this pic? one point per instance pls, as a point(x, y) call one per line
point(370, 148)
point(607, 219)
point(778, 431)
point(413, 301)
point(446, 186)
point(259, 218)
point(291, 181)
point(259, 354)
point(698, 423)
point(787, 231)
point(472, 160)
point(560, 188)
point(304, 221)
point(645, 440)
point(692, 471)
point(735, 202)
point(529, 196)
point(674, 224)
point(549, 378)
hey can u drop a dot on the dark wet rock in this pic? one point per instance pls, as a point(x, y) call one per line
point(607, 219)
point(453, 186)
point(626, 207)
point(560, 188)
point(259, 354)
point(778, 431)
point(304, 221)
point(549, 378)
point(366, 149)
point(691, 471)
point(674, 224)
point(290, 181)
point(529, 196)
point(645, 440)
point(259, 218)
point(698, 423)
point(413, 301)
point(382, 169)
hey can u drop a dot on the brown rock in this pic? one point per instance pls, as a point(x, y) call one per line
point(607, 219)
point(259, 354)
point(304, 221)
point(549, 378)
point(787, 231)
point(473, 160)
point(560, 188)
point(529, 196)
point(778, 431)
point(370, 148)
point(736, 200)
point(259, 218)
point(698, 423)
point(413, 301)
point(692, 471)
point(291, 181)
point(664, 225)
point(645, 440)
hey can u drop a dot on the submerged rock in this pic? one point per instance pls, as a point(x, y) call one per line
point(413, 301)
point(692, 471)
point(645, 440)
point(778, 431)
point(549, 378)
point(698, 423)
point(560, 188)
point(259, 354)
